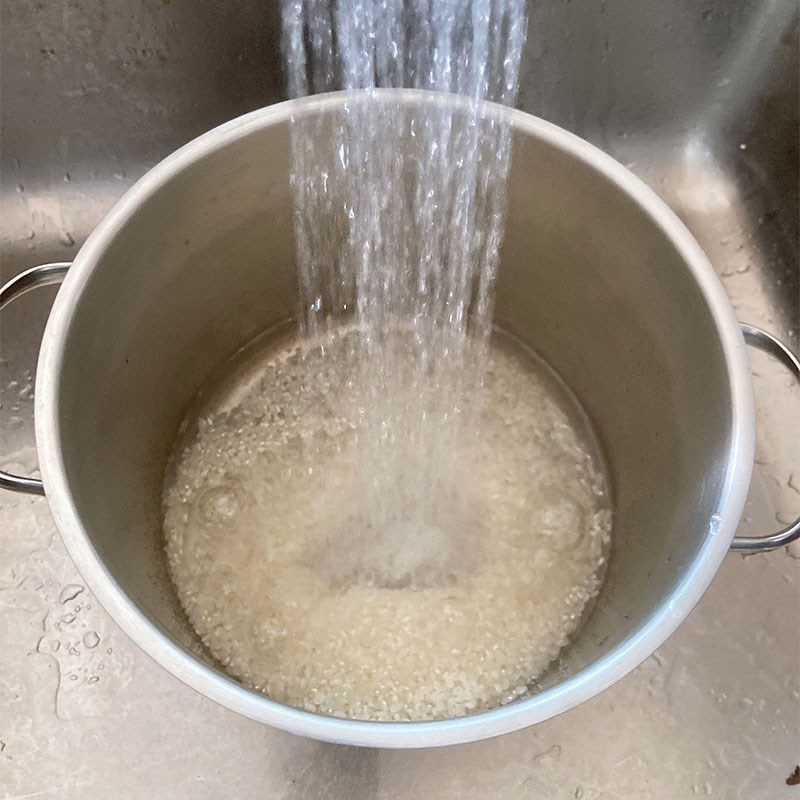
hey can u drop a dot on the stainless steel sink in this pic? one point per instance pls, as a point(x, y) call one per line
point(699, 98)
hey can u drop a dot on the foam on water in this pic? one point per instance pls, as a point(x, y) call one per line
point(291, 589)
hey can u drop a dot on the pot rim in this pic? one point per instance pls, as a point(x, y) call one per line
point(590, 681)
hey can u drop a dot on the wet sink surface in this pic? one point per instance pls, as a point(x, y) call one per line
point(700, 99)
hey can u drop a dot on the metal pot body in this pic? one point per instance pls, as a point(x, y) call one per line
point(597, 275)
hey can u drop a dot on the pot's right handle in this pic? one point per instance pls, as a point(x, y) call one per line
point(756, 337)
point(44, 275)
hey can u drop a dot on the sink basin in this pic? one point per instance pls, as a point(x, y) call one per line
point(700, 99)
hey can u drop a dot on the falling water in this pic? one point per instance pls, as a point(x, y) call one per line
point(398, 207)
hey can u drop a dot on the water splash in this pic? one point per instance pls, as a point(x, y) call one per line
point(398, 209)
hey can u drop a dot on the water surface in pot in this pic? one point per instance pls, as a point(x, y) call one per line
point(424, 612)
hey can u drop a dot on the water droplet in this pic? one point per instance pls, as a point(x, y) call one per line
point(70, 592)
point(93, 679)
point(90, 640)
point(793, 550)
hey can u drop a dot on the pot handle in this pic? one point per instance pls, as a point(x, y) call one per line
point(43, 275)
point(762, 340)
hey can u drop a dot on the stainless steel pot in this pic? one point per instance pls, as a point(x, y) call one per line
point(597, 275)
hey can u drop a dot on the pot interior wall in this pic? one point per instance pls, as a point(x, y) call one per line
point(587, 279)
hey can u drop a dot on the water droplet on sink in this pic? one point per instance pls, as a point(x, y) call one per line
point(90, 640)
point(70, 592)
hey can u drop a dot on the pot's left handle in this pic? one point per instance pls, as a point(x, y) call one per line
point(44, 275)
